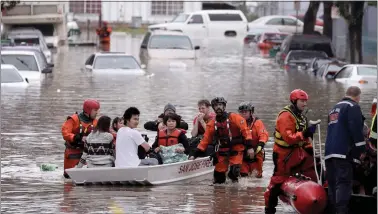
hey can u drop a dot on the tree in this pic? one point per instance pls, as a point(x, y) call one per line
point(353, 13)
point(310, 17)
point(8, 5)
point(327, 19)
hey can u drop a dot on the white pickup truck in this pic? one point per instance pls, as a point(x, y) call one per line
point(46, 16)
point(208, 24)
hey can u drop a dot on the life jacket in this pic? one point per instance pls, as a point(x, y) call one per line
point(300, 125)
point(255, 139)
point(168, 140)
point(84, 128)
point(373, 129)
point(226, 134)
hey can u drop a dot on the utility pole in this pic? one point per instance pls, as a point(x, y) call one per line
point(297, 6)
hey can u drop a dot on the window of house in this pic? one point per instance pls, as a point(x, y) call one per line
point(167, 8)
point(85, 6)
point(93, 6)
point(76, 6)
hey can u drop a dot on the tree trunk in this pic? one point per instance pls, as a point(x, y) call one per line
point(310, 17)
point(359, 14)
point(327, 19)
point(352, 44)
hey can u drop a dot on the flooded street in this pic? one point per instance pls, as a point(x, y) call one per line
point(31, 121)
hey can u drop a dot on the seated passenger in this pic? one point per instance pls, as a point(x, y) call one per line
point(99, 147)
point(158, 124)
point(204, 116)
point(172, 135)
point(128, 140)
point(116, 124)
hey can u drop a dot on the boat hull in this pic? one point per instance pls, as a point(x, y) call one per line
point(142, 175)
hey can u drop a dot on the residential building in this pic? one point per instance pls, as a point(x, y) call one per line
point(147, 12)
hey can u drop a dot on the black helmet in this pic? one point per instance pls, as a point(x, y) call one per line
point(218, 100)
point(246, 106)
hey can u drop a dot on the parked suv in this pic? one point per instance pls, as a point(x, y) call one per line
point(305, 42)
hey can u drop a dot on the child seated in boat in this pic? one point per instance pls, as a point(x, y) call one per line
point(99, 147)
point(171, 135)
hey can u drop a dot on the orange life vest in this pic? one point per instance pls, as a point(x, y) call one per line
point(168, 140)
point(227, 134)
point(83, 128)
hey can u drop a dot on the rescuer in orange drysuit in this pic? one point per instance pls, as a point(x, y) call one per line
point(259, 137)
point(292, 151)
point(104, 32)
point(230, 134)
point(75, 130)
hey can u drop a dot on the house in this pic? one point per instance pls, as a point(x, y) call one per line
point(282, 8)
point(146, 12)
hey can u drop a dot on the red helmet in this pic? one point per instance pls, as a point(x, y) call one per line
point(89, 105)
point(298, 94)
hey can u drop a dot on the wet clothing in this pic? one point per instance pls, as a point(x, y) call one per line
point(291, 153)
point(98, 150)
point(104, 34)
point(73, 130)
point(176, 137)
point(344, 144)
point(259, 138)
point(231, 135)
point(153, 125)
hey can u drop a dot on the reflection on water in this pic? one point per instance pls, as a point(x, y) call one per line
point(32, 119)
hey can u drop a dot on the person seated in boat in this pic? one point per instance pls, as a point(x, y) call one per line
point(158, 124)
point(99, 146)
point(230, 132)
point(75, 131)
point(172, 135)
point(116, 125)
point(259, 138)
point(128, 140)
point(292, 150)
point(199, 126)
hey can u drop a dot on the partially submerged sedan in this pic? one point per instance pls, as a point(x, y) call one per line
point(113, 62)
point(328, 70)
point(11, 77)
point(358, 74)
point(300, 60)
point(167, 45)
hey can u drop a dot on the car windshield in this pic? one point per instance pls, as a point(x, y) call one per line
point(306, 55)
point(182, 17)
point(9, 75)
point(334, 67)
point(170, 42)
point(21, 62)
point(33, 41)
point(275, 36)
point(367, 71)
point(115, 62)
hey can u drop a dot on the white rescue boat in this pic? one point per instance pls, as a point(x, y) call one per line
point(142, 175)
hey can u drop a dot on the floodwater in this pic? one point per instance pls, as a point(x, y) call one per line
point(32, 119)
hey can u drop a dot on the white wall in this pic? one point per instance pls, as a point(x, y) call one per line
point(121, 11)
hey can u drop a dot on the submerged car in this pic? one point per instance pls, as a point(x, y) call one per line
point(328, 70)
point(300, 60)
point(167, 45)
point(113, 62)
point(10, 76)
point(357, 74)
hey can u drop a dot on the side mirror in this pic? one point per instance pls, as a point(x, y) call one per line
point(190, 21)
point(143, 66)
point(89, 67)
point(26, 79)
point(196, 47)
point(47, 70)
point(50, 65)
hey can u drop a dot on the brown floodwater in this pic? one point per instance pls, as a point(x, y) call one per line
point(31, 120)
